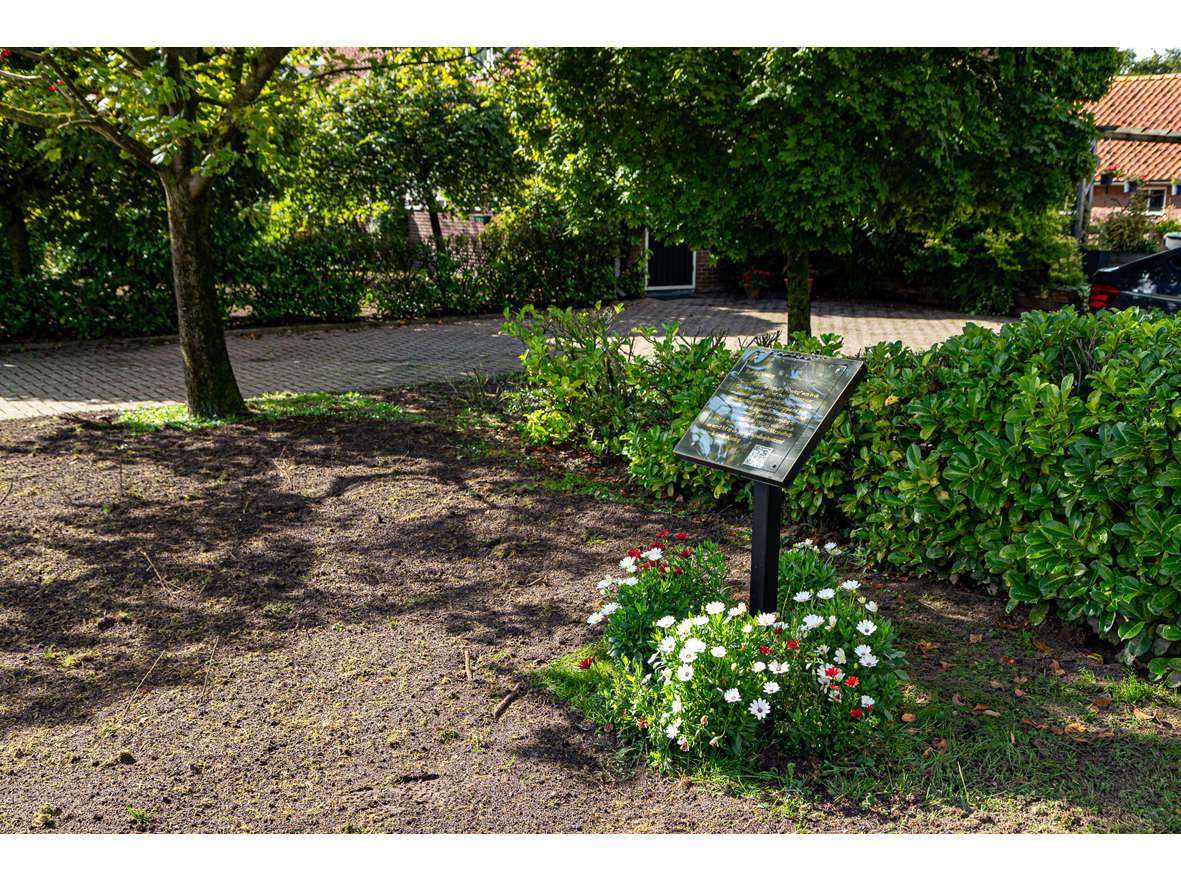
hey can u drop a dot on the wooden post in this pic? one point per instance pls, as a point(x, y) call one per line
point(764, 548)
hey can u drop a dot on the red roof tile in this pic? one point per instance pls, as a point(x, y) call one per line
point(1143, 102)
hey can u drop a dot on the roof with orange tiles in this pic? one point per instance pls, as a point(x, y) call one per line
point(1142, 102)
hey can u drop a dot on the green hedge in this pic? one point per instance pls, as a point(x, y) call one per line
point(1044, 460)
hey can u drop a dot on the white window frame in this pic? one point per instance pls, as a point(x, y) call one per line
point(1164, 191)
point(672, 287)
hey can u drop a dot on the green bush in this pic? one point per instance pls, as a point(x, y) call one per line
point(85, 308)
point(1128, 228)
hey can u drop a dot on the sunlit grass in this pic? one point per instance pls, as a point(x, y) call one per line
point(269, 408)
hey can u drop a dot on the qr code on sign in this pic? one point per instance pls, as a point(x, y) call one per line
point(757, 457)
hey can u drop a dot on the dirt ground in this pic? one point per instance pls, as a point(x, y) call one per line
point(265, 628)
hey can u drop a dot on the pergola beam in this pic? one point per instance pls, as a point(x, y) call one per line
point(1144, 135)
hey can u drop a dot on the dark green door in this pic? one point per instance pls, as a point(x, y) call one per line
point(670, 266)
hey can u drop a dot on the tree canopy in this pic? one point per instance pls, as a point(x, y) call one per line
point(1170, 62)
point(785, 149)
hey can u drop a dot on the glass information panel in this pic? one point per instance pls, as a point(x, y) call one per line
point(769, 414)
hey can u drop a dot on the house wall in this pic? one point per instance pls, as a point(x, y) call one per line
point(709, 279)
point(419, 223)
point(1112, 198)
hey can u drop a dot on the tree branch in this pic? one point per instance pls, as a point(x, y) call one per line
point(28, 117)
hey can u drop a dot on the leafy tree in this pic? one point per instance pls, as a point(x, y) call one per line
point(187, 115)
point(432, 127)
point(1170, 62)
point(752, 149)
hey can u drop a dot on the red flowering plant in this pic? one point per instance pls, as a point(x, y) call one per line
point(1114, 170)
point(756, 278)
point(667, 577)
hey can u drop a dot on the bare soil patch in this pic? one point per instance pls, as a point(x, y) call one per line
point(264, 627)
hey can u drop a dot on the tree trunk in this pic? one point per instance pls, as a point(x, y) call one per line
point(437, 229)
point(210, 386)
point(799, 299)
point(16, 234)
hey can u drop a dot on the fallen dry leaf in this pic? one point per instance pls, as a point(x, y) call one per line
point(1007, 659)
point(878, 586)
point(1040, 645)
point(1140, 714)
point(996, 684)
point(908, 717)
point(1102, 701)
point(1012, 738)
point(975, 637)
point(992, 713)
point(1020, 680)
point(1105, 734)
point(1005, 626)
point(944, 666)
point(1018, 692)
point(957, 700)
point(1057, 730)
point(980, 707)
point(1037, 741)
point(1079, 739)
point(940, 745)
point(1098, 659)
point(1040, 726)
point(1075, 728)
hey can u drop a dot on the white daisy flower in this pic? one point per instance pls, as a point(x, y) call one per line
point(862, 650)
point(827, 594)
point(605, 584)
point(866, 627)
point(674, 728)
point(677, 705)
point(687, 657)
point(830, 546)
point(777, 668)
point(741, 608)
point(822, 650)
point(765, 619)
point(667, 645)
point(748, 628)
point(771, 687)
point(714, 742)
point(630, 582)
point(685, 672)
point(628, 564)
point(832, 620)
point(667, 673)
point(871, 606)
point(666, 621)
point(684, 743)
point(759, 708)
point(595, 618)
point(610, 609)
point(695, 645)
point(684, 627)
point(652, 554)
point(735, 612)
point(715, 608)
point(732, 696)
point(866, 700)
point(850, 585)
point(811, 621)
point(839, 656)
point(700, 619)
point(869, 661)
point(803, 596)
point(758, 666)
point(718, 652)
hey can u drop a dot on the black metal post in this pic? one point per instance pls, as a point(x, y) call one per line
point(764, 548)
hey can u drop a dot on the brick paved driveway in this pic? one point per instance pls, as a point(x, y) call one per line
point(99, 376)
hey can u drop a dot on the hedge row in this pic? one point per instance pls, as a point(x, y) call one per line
point(1044, 460)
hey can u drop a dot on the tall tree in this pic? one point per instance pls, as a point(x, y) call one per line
point(1170, 62)
point(432, 127)
point(187, 115)
point(743, 150)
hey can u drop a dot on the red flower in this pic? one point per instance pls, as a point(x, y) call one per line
point(765, 649)
point(662, 533)
point(634, 553)
point(53, 88)
point(679, 571)
point(832, 672)
point(643, 722)
point(855, 713)
point(682, 535)
point(685, 552)
point(585, 663)
point(7, 52)
point(851, 682)
point(792, 644)
point(663, 569)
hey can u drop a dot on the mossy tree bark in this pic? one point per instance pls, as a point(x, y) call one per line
point(799, 299)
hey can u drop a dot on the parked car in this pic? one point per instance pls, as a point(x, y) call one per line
point(1153, 282)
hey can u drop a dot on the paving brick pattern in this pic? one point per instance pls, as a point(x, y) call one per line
point(100, 376)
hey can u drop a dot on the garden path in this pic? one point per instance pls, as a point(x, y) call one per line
point(43, 380)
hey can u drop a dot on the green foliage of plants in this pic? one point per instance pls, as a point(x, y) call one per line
point(721, 683)
point(1128, 228)
point(268, 408)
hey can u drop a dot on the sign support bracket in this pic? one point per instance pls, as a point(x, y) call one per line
point(764, 547)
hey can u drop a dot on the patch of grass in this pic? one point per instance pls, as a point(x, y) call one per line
point(270, 408)
point(141, 819)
